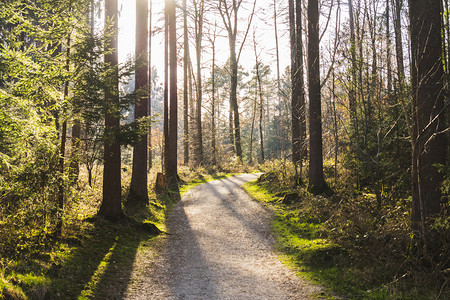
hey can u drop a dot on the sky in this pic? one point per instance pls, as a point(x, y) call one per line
point(265, 37)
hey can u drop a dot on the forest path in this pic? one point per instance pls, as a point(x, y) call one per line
point(220, 246)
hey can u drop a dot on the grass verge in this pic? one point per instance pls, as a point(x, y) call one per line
point(93, 258)
point(303, 245)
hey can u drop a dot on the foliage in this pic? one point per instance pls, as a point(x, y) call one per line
point(349, 244)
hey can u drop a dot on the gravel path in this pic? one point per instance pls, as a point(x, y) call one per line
point(220, 246)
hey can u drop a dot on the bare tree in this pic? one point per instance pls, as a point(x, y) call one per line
point(229, 13)
point(260, 94)
point(212, 39)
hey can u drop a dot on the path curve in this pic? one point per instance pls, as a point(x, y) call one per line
point(220, 246)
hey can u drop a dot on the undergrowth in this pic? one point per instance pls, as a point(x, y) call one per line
point(348, 244)
point(92, 256)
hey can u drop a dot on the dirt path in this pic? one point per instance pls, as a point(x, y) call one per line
point(220, 247)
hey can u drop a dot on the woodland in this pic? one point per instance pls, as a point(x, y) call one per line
point(351, 136)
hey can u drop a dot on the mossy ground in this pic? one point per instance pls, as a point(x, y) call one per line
point(93, 256)
point(307, 243)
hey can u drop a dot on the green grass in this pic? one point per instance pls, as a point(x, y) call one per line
point(302, 244)
point(93, 256)
point(79, 268)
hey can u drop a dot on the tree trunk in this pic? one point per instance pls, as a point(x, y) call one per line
point(277, 51)
point(260, 94)
point(300, 82)
point(198, 42)
point(213, 102)
point(185, 87)
point(352, 94)
point(166, 90)
point(388, 46)
point(250, 161)
point(316, 179)
point(296, 134)
point(75, 151)
point(428, 142)
point(149, 104)
point(233, 98)
point(138, 187)
point(171, 164)
point(111, 207)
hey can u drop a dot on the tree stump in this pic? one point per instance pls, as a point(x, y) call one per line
point(161, 184)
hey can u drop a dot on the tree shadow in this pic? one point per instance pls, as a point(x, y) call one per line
point(191, 276)
point(100, 264)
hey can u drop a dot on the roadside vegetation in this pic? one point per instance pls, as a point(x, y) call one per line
point(92, 255)
point(346, 243)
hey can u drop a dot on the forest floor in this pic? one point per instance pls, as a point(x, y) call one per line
point(219, 246)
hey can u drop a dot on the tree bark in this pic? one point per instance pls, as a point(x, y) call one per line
point(297, 93)
point(111, 207)
point(171, 164)
point(75, 151)
point(213, 99)
point(316, 179)
point(199, 9)
point(260, 94)
point(166, 91)
point(277, 52)
point(138, 187)
point(428, 111)
point(186, 64)
point(149, 72)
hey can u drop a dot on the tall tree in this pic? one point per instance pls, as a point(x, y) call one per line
point(138, 187)
point(149, 87)
point(297, 91)
point(61, 192)
point(277, 53)
point(316, 179)
point(111, 207)
point(229, 13)
point(166, 90)
point(171, 163)
point(199, 8)
point(428, 140)
point(258, 67)
point(186, 63)
point(212, 39)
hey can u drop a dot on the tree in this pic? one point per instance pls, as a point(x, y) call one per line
point(111, 207)
point(199, 9)
point(260, 72)
point(212, 39)
point(316, 179)
point(277, 53)
point(138, 186)
point(186, 64)
point(297, 91)
point(427, 139)
point(149, 104)
point(171, 163)
point(229, 13)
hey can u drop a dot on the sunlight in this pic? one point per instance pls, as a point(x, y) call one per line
point(91, 286)
point(127, 30)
